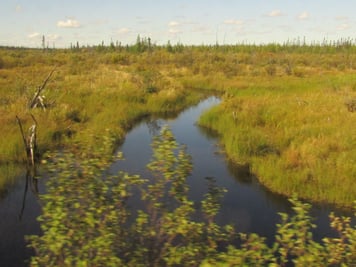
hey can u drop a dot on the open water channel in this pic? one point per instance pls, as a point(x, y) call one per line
point(247, 204)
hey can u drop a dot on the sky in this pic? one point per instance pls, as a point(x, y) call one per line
point(91, 22)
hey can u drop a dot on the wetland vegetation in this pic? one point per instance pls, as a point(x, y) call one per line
point(287, 112)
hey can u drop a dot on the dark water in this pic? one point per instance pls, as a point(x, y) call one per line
point(247, 204)
point(19, 208)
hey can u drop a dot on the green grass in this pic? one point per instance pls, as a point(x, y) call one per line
point(283, 109)
point(296, 134)
point(85, 100)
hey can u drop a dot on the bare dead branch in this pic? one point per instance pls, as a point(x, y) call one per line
point(34, 100)
point(34, 119)
point(30, 142)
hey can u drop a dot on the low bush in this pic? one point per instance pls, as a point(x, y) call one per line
point(87, 220)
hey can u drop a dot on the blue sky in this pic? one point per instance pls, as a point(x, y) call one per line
point(24, 22)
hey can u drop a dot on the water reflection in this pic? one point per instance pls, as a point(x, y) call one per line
point(207, 133)
point(241, 172)
point(19, 209)
point(247, 204)
point(9, 176)
point(154, 126)
point(32, 184)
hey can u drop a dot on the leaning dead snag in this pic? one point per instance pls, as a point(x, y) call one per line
point(30, 142)
point(38, 99)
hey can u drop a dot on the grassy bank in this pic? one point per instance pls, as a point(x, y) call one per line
point(86, 95)
point(297, 134)
point(90, 94)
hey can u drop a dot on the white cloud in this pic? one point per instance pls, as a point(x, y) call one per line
point(174, 27)
point(304, 15)
point(69, 23)
point(275, 13)
point(33, 35)
point(173, 24)
point(233, 22)
point(123, 31)
point(344, 26)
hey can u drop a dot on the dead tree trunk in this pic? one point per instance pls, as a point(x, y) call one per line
point(30, 142)
point(37, 98)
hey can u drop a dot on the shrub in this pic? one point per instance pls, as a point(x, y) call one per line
point(86, 220)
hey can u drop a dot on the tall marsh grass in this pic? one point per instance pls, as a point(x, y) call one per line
point(297, 135)
point(284, 111)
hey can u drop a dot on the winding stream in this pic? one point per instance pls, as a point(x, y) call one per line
point(247, 204)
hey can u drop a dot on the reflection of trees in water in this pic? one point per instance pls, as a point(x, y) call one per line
point(12, 176)
point(241, 172)
point(32, 184)
point(154, 126)
point(168, 115)
point(243, 175)
point(279, 201)
point(207, 133)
